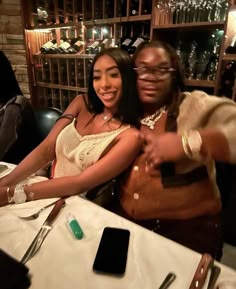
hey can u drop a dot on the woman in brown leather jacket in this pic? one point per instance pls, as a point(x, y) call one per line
point(171, 187)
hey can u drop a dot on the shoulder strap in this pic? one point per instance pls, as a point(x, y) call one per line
point(69, 116)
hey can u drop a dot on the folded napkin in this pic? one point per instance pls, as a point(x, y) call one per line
point(13, 274)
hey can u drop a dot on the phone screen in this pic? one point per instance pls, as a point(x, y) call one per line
point(112, 251)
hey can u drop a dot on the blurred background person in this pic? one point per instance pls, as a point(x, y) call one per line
point(17, 134)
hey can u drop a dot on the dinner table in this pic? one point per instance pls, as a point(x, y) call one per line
point(64, 262)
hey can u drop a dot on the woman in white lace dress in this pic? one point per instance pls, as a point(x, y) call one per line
point(93, 142)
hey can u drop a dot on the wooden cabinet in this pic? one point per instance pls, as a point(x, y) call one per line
point(194, 30)
point(197, 29)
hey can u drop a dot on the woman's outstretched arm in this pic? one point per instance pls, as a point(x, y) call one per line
point(42, 154)
point(116, 160)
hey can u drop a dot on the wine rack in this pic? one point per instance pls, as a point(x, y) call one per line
point(56, 76)
point(197, 30)
point(199, 33)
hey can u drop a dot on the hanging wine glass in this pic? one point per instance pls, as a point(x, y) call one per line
point(192, 60)
point(203, 60)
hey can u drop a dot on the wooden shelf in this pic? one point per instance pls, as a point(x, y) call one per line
point(229, 57)
point(54, 26)
point(61, 87)
point(197, 25)
point(64, 56)
point(73, 68)
point(199, 83)
point(117, 20)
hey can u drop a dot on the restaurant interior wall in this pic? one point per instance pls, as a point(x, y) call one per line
point(12, 41)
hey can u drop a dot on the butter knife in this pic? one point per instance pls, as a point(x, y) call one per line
point(206, 263)
point(44, 230)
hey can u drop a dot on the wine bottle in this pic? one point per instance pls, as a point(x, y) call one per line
point(79, 46)
point(87, 10)
point(46, 47)
point(98, 9)
point(105, 44)
point(109, 9)
point(92, 48)
point(126, 44)
point(146, 7)
point(136, 43)
point(76, 46)
point(228, 78)
point(64, 46)
point(134, 7)
point(46, 72)
point(122, 8)
point(53, 49)
point(80, 73)
point(72, 76)
point(64, 73)
point(55, 66)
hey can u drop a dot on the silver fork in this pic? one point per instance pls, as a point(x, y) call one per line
point(35, 215)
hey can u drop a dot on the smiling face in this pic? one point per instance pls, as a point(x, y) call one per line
point(154, 76)
point(107, 82)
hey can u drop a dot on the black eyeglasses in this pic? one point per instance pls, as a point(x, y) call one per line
point(159, 72)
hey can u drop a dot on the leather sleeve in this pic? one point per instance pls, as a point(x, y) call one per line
point(11, 120)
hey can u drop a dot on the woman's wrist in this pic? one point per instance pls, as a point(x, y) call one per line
point(192, 144)
point(18, 194)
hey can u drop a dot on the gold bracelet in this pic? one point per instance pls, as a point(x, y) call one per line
point(186, 147)
point(9, 198)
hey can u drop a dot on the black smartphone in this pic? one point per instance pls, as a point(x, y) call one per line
point(112, 251)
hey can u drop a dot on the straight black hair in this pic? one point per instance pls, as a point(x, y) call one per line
point(8, 83)
point(129, 108)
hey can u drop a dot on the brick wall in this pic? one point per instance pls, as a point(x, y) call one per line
point(12, 40)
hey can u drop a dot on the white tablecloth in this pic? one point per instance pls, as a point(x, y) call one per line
point(66, 263)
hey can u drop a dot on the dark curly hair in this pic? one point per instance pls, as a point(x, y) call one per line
point(129, 107)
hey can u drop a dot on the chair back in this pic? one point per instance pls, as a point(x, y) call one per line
point(45, 119)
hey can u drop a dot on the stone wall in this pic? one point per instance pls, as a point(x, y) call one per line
point(12, 40)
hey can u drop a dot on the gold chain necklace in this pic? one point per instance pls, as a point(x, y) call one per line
point(152, 119)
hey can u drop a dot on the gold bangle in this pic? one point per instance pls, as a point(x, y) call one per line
point(186, 147)
point(9, 198)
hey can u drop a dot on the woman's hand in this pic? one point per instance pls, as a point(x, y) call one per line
point(165, 147)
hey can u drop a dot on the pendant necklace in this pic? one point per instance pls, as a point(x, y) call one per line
point(105, 117)
point(151, 120)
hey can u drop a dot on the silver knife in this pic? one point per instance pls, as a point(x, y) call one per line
point(44, 230)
